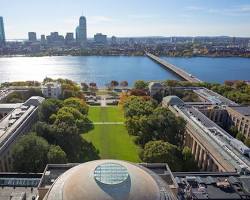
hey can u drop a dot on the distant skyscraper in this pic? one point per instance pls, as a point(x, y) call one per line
point(69, 38)
point(43, 39)
point(32, 36)
point(100, 38)
point(81, 31)
point(2, 33)
point(113, 40)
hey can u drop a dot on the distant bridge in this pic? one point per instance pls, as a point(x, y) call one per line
point(179, 72)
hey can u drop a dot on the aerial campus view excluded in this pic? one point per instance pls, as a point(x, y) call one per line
point(157, 108)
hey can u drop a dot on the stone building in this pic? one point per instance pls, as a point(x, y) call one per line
point(13, 125)
point(239, 116)
point(52, 89)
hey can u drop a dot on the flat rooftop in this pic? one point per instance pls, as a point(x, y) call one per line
point(214, 135)
point(212, 186)
point(16, 186)
point(214, 97)
point(244, 110)
point(10, 122)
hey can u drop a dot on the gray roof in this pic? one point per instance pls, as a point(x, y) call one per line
point(34, 101)
point(173, 100)
point(244, 110)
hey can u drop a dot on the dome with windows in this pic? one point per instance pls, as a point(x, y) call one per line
point(105, 180)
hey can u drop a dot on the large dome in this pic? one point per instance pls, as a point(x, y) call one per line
point(105, 180)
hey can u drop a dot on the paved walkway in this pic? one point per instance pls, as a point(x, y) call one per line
point(103, 102)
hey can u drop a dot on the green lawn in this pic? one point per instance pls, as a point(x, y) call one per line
point(112, 140)
point(106, 114)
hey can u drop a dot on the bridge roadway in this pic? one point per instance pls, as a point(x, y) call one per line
point(181, 73)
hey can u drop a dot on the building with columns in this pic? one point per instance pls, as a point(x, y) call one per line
point(13, 125)
point(212, 147)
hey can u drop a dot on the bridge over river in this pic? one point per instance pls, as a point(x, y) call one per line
point(179, 72)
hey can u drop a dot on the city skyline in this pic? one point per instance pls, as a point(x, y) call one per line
point(128, 19)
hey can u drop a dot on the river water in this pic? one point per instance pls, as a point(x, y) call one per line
point(103, 69)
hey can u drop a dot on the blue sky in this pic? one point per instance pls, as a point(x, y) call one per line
point(128, 17)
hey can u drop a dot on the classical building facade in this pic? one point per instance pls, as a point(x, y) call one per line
point(239, 116)
point(13, 125)
point(212, 147)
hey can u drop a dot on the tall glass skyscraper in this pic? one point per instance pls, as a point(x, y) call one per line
point(81, 31)
point(2, 34)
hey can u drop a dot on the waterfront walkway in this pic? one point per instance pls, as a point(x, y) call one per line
point(180, 72)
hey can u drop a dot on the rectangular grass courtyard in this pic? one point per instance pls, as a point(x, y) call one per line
point(110, 136)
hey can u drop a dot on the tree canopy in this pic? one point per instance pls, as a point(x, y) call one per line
point(137, 106)
point(30, 154)
point(140, 84)
point(56, 155)
point(78, 104)
point(162, 152)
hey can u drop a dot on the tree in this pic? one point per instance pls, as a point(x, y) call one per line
point(240, 137)
point(136, 106)
point(134, 124)
point(71, 142)
point(49, 107)
point(161, 124)
point(137, 92)
point(47, 79)
point(140, 84)
point(189, 163)
point(33, 92)
point(161, 152)
point(44, 130)
point(72, 116)
point(85, 86)
point(56, 155)
point(78, 104)
point(233, 131)
point(247, 142)
point(30, 154)
point(14, 97)
point(124, 84)
point(114, 83)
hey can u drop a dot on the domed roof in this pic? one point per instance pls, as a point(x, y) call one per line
point(105, 180)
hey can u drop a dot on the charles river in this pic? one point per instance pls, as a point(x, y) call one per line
point(103, 69)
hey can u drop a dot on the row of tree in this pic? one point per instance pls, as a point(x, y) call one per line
point(158, 132)
point(57, 136)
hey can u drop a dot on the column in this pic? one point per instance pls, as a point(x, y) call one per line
point(205, 161)
point(200, 161)
point(193, 147)
point(197, 153)
point(209, 164)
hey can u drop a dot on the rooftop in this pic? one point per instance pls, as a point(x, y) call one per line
point(222, 142)
point(109, 179)
point(16, 186)
point(214, 97)
point(244, 110)
point(212, 186)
